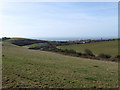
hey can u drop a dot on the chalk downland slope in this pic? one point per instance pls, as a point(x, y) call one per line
point(34, 68)
point(106, 47)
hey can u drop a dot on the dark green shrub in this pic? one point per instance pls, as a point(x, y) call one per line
point(66, 50)
point(56, 50)
point(104, 55)
point(118, 56)
point(89, 52)
point(79, 53)
point(84, 54)
point(72, 51)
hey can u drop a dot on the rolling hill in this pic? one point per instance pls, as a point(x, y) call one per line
point(106, 47)
point(25, 68)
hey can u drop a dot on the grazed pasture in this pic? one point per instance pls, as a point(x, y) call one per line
point(33, 68)
point(106, 47)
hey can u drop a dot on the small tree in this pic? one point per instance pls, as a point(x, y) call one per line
point(88, 52)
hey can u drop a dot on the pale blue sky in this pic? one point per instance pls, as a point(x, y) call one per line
point(49, 19)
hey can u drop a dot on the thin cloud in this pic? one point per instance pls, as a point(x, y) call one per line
point(59, 19)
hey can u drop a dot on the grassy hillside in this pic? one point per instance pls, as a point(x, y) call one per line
point(36, 44)
point(106, 47)
point(24, 41)
point(33, 68)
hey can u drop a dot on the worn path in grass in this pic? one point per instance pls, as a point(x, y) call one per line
point(33, 68)
point(106, 47)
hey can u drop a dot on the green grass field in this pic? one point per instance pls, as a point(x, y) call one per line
point(36, 44)
point(106, 47)
point(34, 68)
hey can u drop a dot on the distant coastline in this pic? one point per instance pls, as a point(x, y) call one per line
point(70, 38)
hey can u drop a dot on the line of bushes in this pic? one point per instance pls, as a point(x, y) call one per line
point(104, 55)
point(88, 53)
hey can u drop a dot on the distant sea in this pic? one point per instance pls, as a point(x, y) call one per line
point(69, 38)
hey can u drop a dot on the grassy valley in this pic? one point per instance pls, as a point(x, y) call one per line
point(23, 67)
